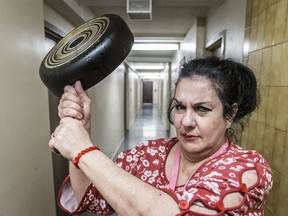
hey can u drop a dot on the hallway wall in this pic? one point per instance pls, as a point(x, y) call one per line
point(108, 112)
point(193, 44)
point(133, 92)
point(26, 182)
point(165, 95)
point(267, 53)
point(156, 92)
point(57, 20)
point(230, 17)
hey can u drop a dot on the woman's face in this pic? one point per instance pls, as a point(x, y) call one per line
point(198, 117)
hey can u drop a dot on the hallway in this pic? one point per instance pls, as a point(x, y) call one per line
point(147, 125)
point(252, 31)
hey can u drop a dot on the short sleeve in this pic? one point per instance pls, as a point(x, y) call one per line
point(144, 161)
point(92, 200)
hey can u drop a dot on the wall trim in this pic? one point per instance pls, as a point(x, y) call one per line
point(116, 152)
point(218, 41)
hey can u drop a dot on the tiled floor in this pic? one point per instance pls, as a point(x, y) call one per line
point(147, 125)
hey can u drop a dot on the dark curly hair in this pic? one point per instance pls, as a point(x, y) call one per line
point(234, 82)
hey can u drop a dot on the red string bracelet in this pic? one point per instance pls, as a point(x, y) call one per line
point(80, 154)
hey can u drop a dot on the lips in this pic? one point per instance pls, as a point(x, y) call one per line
point(190, 137)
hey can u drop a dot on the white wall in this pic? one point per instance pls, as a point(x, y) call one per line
point(188, 46)
point(132, 93)
point(174, 67)
point(26, 185)
point(155, 92)
point(56, 20)
point(108, 112)
point(165, 88)
point(230, 16)
point(194, 42)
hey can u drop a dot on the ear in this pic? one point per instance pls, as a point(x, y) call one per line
point(231, 115)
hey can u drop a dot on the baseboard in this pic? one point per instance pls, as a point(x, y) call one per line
point(114, 156)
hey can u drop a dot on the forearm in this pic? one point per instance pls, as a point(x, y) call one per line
point(79, 182)
point(124, 192)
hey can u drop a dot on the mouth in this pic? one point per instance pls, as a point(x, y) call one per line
point(189, 137)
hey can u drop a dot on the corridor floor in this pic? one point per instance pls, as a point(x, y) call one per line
point(147, 125)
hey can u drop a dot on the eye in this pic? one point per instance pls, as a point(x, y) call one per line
point(180, 108)
point(203, 110)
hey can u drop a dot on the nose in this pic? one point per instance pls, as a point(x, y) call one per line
point(188, 119)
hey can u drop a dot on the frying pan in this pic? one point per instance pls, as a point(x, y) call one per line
point(88, 53)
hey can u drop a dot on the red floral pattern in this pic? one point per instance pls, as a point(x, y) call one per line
point(207, 187)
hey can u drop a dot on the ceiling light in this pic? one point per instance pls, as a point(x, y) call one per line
point(155, 46)
point(148, 67)
point(158, 39)
point(150, 75)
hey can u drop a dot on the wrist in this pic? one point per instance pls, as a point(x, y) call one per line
point(83, 152)
point(88, 128)
point(87, 124)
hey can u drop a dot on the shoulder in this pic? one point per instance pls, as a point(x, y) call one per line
point(147, 150)
point(146, 161)
point(162, 144)
point(249, 159)
point(243, 164)
point(256, 170)
point(237, 155)
point(238, 178)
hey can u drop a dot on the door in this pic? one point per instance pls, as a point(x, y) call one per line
point(147, 92)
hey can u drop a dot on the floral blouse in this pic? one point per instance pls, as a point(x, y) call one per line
point(207, 187)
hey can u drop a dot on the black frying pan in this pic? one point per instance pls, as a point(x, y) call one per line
point(88, 53)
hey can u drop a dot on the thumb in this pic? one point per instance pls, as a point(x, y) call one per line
point(81, 93)
point(78, 88)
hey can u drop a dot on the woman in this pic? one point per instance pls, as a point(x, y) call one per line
point(199, 172)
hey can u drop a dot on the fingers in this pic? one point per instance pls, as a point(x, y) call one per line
point(51, 145)
point(70, 89)
point(70, 104)
point(70, 108)
point(76, 104)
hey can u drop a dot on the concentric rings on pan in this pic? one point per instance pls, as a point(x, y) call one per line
point(88, 53)
point(76, 42)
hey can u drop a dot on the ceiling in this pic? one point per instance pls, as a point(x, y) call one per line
point(170, 22)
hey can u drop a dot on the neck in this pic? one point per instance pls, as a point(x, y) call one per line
point(198, 157)
point(187, 158)
point(184, 165)
point(188, 162)
point(187, 168)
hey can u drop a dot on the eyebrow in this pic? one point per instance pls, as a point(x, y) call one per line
point(175, 99)
point(196, 104)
